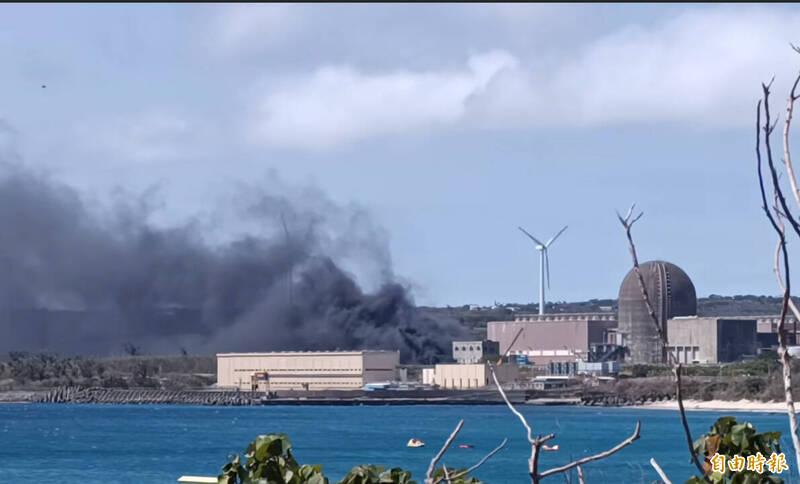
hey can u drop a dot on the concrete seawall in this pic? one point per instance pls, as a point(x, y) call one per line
point(321, 398)
point(121, 396)
point(233, 398)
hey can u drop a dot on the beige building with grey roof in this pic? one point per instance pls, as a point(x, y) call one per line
point(306, 370)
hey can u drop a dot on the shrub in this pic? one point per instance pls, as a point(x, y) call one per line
point(269, 460)
point(729, 438)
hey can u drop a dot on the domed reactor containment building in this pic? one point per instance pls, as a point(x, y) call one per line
point(671, 293)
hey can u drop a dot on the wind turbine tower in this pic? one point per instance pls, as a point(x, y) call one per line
point(544, 262)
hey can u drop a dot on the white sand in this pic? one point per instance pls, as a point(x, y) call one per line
point(721, 405)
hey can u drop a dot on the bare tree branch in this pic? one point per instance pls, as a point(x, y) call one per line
point(529, 431)
point(480, 462)
point(778, 273)
point(660, 471)
point(440, 454)
point(580, 475)
point(601, 455)
point(676, 371)
point(787, 157)
point(537, 443)
point(627, 223)
point(778, 226)
point(768, 128)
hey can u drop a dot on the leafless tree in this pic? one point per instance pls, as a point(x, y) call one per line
point(429, 477)
point(660, 471)
point(538, 443)
point(776, 215)
point(627, 223)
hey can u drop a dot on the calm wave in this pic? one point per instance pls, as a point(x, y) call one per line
point(157, 444)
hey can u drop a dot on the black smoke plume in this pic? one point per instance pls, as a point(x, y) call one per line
point(80, 279)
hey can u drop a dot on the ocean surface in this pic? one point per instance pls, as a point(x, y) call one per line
point(157, 444)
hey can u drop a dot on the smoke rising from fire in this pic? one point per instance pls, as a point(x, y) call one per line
point(78, 278)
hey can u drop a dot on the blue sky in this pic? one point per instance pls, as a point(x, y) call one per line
point(450, 124)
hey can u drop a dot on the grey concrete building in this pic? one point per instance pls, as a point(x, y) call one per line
point(475, 351)
point(711, 340)
point(767, 329)
point(671, 293)
point(553, 337)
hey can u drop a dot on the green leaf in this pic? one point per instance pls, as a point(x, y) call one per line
point(723, 425)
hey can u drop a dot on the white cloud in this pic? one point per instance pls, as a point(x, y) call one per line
point(148, 137)
point(339, 104)
point(699, 68)
point(247, 26)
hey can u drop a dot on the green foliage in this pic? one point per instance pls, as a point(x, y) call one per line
point(270, 461)
point(641, 370)
point(370, 474)
point(23, 370)
point(439, 476)
point(730, 438)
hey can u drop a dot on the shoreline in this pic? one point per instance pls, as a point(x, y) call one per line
point(718, 406)
point(109, 396)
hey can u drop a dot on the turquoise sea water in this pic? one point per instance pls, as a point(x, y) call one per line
point(156, 444)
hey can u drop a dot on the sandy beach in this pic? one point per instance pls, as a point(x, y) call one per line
point(721, 406)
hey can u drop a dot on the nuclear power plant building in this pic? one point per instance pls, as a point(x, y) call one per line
point(711, 340)
point(671, 294)
point(597, 337)
point(558, 337)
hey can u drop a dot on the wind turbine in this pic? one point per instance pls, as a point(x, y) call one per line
point(544, 262)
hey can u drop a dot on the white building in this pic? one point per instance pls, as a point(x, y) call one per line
point(306, 370)
point(429, 376)
point(475, 351)
point(470, 376)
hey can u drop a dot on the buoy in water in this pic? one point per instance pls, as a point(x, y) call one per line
point(415, 443)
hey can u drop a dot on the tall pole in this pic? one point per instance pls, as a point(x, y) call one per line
point(541, 280)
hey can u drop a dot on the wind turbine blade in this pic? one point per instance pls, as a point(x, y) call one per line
point(547, 266)
point(531, 236)
point(553, 239)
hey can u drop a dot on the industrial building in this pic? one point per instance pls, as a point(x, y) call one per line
point(711, 340)
point(306, 370)
point(560, 342)
point(671, 294)
point(468, 376)
point(475, 351)
point(767, 329)
point(558, 337)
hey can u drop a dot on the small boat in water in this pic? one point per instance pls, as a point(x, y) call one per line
point(465, 446)
point(415, 443)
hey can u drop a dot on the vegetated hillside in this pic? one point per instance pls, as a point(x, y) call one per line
point(714, 305)
point(25, 371)
point(749, 305)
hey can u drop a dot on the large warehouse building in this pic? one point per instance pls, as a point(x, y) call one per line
point(556, 337)
point(306, 370)
point(711, 340)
